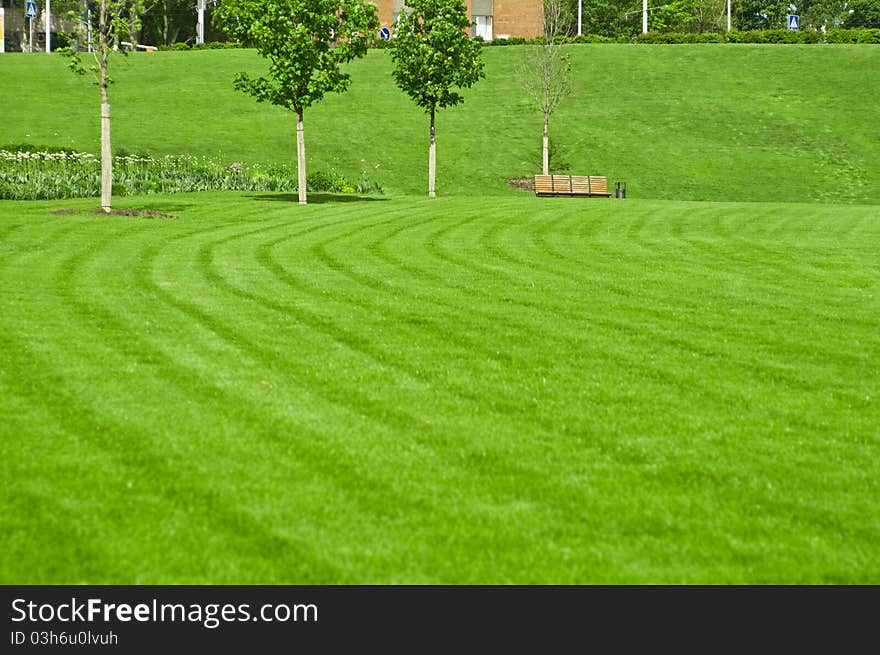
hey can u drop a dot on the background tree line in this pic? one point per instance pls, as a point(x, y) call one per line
point(167, 22)
point(159, 22)
point(616, 18)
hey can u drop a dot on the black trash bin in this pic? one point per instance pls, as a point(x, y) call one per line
point(620, 192)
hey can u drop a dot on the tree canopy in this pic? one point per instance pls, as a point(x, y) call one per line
point(432, 53)
point(305, 42)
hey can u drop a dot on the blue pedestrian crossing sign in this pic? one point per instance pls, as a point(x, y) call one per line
point(30, 9)
point(792, 21)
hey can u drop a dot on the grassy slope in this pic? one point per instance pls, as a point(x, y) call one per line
point(743, 122)
point(410, 391)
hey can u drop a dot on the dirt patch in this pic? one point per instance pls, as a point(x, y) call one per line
point(525, 183)
point(150, 213)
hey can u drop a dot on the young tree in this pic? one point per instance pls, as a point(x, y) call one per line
point(545, 72)
point(432, 56)
point(116, 21)
point(306, 42)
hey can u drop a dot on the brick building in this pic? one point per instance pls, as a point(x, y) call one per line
point(493, 19)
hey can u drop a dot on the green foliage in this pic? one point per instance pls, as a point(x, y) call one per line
point(331, 182)
point(216, 45)
point(620, 19)
point(821, 14)
point(513, 40)
point(606, 18)
point(182, 46)
point(30, 173)
point(853, 36)
point(305, 42)
point(432, 55)
point(789, 36)
point(777, 36)
point(121, 22)
point(597, 38)
point(169, 22)
point(863, 13)
point(679, 37)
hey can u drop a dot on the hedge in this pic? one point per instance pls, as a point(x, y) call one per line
point(860, 35)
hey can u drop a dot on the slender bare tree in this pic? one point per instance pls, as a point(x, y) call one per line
point(545, 70)
point(115, 22)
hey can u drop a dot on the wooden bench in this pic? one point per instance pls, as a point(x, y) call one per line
point(571, 185)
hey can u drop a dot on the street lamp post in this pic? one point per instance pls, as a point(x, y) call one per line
point(48, 25)
point(200, 26)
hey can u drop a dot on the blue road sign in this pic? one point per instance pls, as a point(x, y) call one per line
point(30, 9)
point(385, 33)
point(792, 21)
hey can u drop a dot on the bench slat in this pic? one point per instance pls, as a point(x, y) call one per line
point(571, 185)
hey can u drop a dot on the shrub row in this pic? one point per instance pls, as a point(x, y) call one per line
point(211, 45)
point(30, 173)
point(862, 35)
point(859, 35)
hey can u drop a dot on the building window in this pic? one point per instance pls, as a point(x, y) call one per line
point(482, 18)
point(399, 6)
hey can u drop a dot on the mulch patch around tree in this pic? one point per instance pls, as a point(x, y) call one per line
point(151, 213)
point(526, 183)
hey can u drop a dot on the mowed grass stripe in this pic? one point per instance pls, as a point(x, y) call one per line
point(562, 448)
point(669, 309)
point(659, 309)
point(205, 516)
point(251, 532)
point(673, 262)
point(385, 415)
point(108, 319)
point(350, 337)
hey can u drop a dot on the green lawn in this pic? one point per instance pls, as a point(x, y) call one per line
point(415, 391)
point(488, 387)
point(699, 122)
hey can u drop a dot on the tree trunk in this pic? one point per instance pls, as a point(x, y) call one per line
point(545, 147)
point(300, 158)
point(165, 23)
point(106, 151)
point(432, 160)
